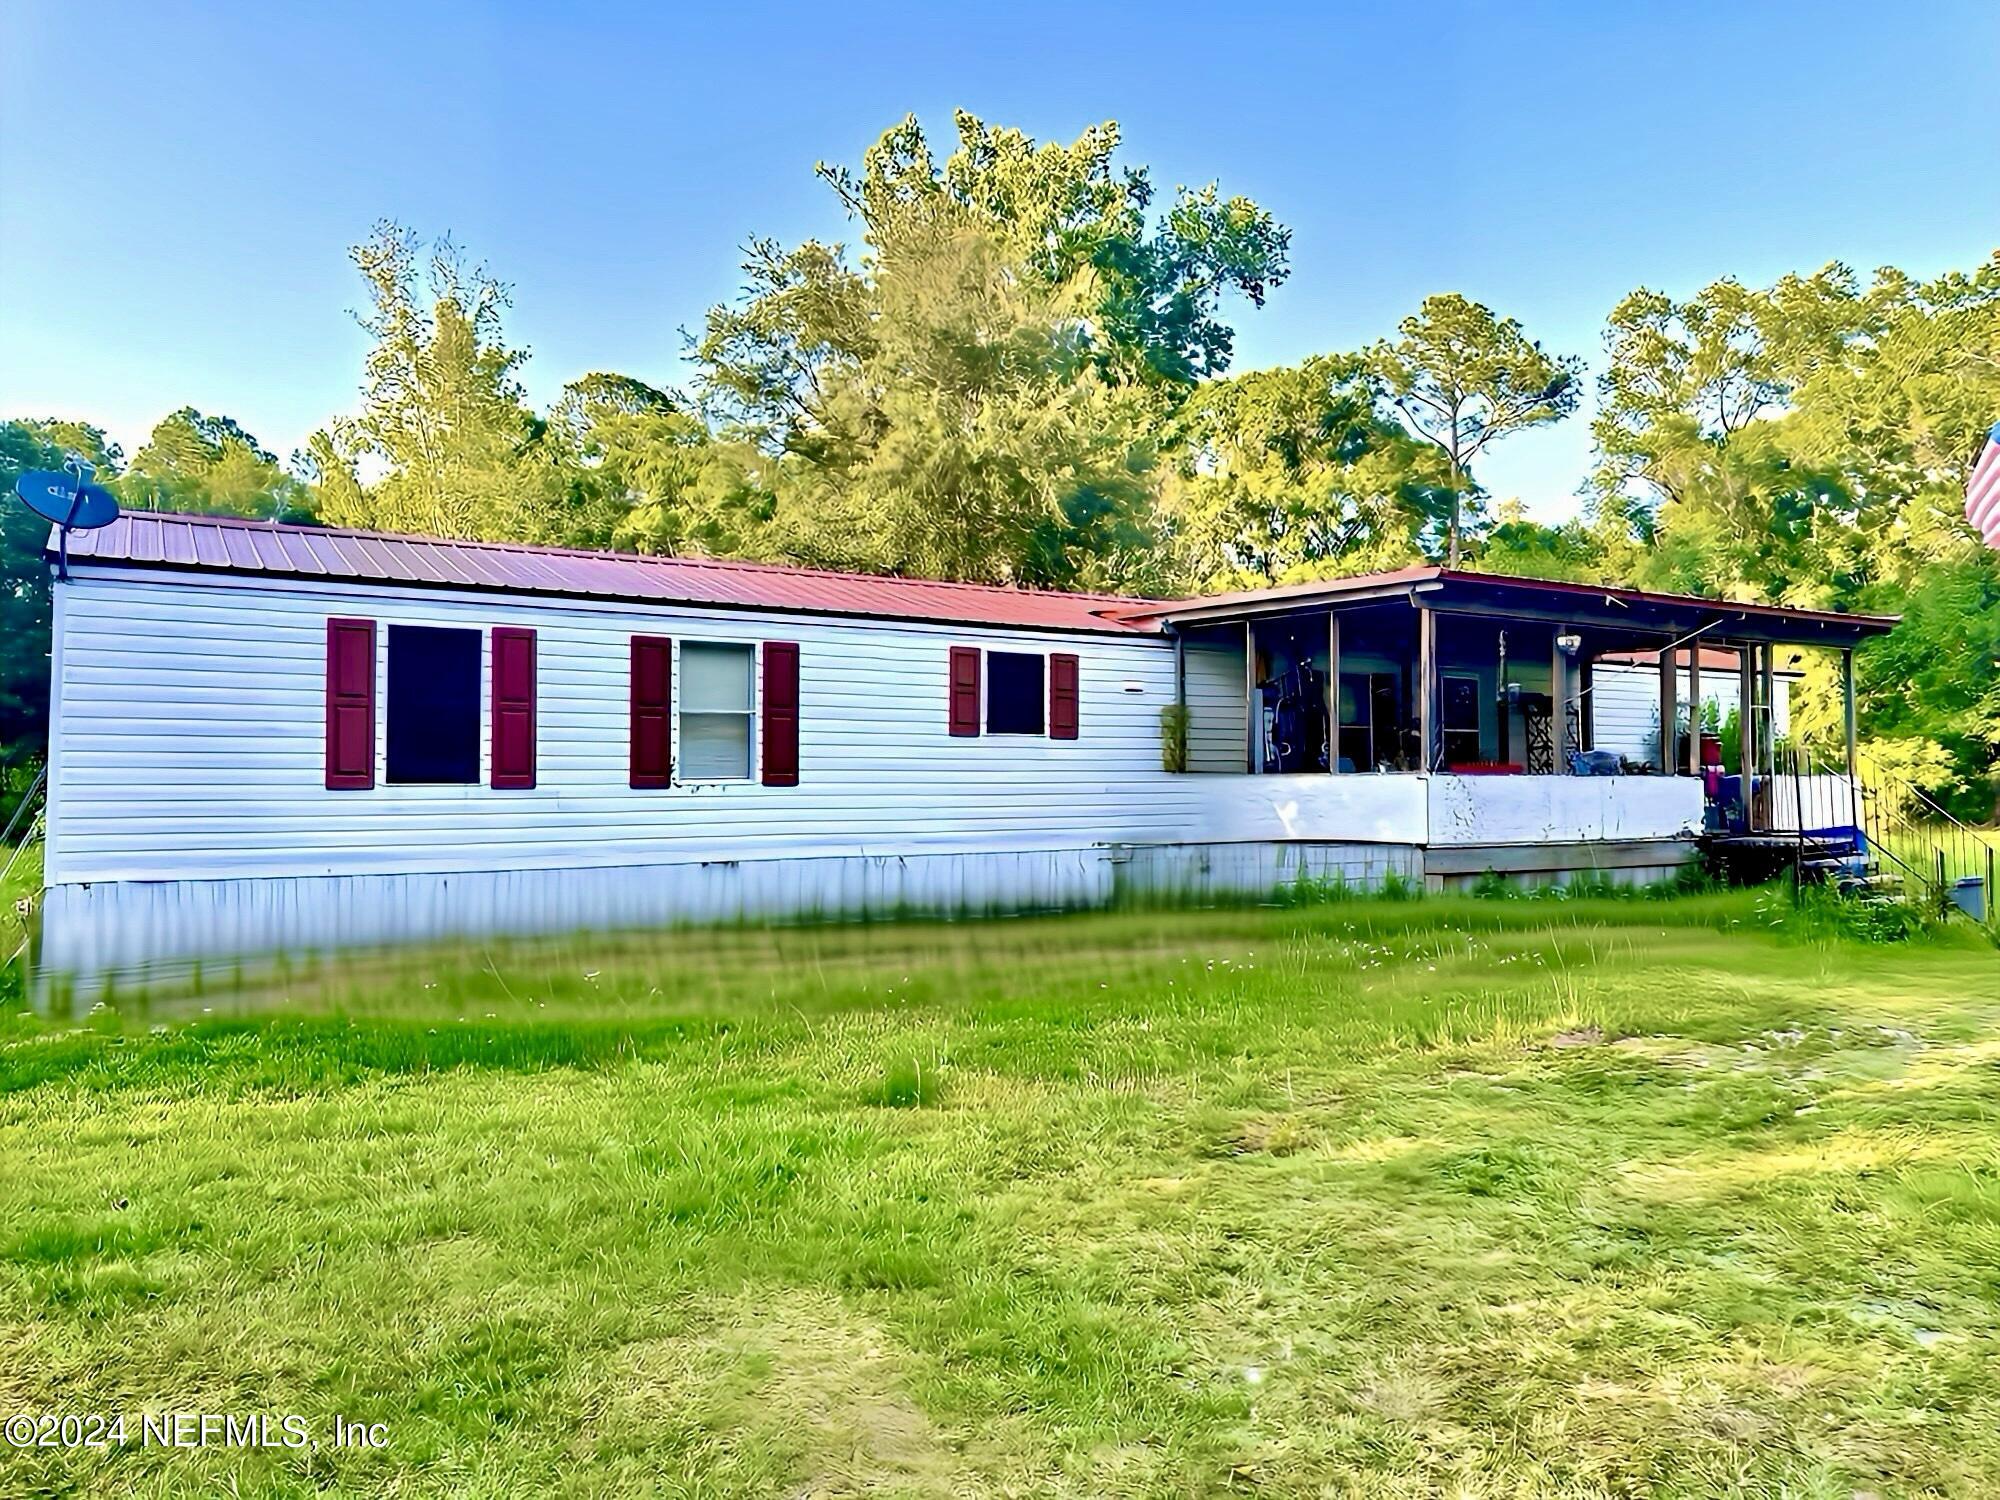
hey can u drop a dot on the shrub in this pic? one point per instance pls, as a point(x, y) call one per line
point(1173, 737)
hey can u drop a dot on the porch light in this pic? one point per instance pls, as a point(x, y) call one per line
point(1569, 644)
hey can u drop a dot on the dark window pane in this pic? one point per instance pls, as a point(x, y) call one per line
point(433, 704)
point(1013, 693)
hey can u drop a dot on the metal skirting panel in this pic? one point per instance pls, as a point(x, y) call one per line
point(1197, 871)
point(158, 930)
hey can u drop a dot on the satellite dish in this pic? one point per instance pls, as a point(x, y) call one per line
point(70, 500)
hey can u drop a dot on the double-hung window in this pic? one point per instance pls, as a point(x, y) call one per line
point(718, 703)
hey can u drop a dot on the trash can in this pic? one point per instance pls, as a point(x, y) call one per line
point(1968, 894)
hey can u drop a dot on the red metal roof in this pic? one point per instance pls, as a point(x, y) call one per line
point(226, 544)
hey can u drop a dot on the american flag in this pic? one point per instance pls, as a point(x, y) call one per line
point(1982, 491)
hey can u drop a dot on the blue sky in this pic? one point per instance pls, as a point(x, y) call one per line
point(178, 184)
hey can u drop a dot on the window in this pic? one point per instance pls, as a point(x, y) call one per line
point(433, 705)
point(717, 703)
point(1014, 697)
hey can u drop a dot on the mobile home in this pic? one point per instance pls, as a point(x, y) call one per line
point(274, 738)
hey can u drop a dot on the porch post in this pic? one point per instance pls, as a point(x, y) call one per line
point(1854, 760)
point(1426, 685)
point(1847, 703)
point(1694, 708)
point(1252, 711)
point(1768, 675)
point(1333, 692)
point(1558, 705)
point(1746, 718)
point(1669, 687)
point(1586, 706)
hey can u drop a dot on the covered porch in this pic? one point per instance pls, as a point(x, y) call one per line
point(1478, 692)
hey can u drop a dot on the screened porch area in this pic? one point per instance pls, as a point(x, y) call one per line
point(1486, 687)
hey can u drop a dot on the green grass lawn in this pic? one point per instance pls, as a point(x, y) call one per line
point(1372, 1198)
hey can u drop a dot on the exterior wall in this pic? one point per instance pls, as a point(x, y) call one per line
point(1483, 810)
point(1218, 716)
point(189, 743)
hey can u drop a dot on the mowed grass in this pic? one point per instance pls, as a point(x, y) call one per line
point(1370, 1198)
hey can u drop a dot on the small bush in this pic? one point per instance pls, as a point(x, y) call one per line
point(1820, 913)
point(1173, 737)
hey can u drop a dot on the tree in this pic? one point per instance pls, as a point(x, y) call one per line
point(1463, 379)
point(1807, 443)
point(981, 395)
point(195, 462)
point(1292, 474)
point(651, 469)
point(1065, 214)
point(442, 413)
point(1529, 549)
point(977, 439)
point(24, 591)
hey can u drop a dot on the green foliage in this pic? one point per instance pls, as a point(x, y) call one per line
point(1529, 549)
point(1173, 736)
point(976, 439)
point(1291, 474)
point(982, 396)
point(210, 466)
point(443, 417)
point(1068, 218)
point(1463, 379)
point(1807, 443)
point(642, 458)
point(1818, 913)
point(24, 591)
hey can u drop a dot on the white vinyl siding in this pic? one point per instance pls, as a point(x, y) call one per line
point(1218, 718)
point(191, 742)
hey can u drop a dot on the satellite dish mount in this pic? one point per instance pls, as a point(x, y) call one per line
point(67, 497)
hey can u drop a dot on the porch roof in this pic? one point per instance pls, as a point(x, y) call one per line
point(1637, 611)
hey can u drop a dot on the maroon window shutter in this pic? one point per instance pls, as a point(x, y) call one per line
point(652, 711)
point(781, 713)
point(350, 705)
point(513, 707)
point(965, 690)
point(1062, 697)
